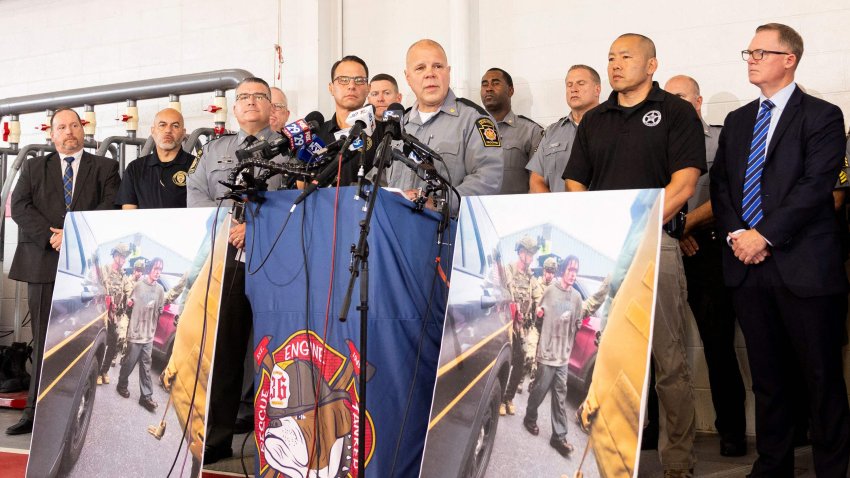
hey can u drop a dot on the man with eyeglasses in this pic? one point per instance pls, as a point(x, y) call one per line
point(158, 180)
point(280, 110)
point(643, 137)
point(460, 131)
point(252, 110)
point(771, 192)
point(349, 87)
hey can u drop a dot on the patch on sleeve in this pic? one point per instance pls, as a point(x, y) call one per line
point(194, 165)
point(489, 134)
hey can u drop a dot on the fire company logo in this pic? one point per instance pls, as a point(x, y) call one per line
point(306, 411)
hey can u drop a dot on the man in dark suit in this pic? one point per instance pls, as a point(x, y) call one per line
point(771, 191)
point(49, 187)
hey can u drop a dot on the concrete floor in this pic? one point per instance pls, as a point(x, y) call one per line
point(710, 463)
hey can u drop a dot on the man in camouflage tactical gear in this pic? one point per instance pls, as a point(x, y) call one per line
point(113, 281)
point(525, 293)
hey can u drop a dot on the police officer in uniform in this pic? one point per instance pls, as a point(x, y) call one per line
point(548, 162)
point(710, 300)
point(252, 110)
point(520, 135)
point(158, 180)
point(460, 131)
point(525, 297)
point(113, 282)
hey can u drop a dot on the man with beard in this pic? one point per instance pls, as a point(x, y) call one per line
point(158, 180)
point(520, 135)
point(49, 187)
point(113, 281)
point(525, 297)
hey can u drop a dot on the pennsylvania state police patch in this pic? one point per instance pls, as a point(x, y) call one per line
point(488, 133)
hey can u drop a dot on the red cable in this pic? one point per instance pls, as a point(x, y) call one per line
point(327, 313)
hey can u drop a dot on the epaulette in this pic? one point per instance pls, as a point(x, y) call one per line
point(529, 119)
point(474, 105)
point(226, 133)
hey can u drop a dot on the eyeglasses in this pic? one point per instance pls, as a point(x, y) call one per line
point(759, 54)
point(258, 97)
point(279, 106)
point(358, 80)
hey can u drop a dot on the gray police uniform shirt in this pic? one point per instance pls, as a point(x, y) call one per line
point(553, 153)
point(712, 136)
point(520, 137)
point(466, 137)
point(217, 159)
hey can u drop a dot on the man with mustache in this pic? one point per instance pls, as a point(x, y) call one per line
point(68, 180)
point(520, 135)
point(158, 180)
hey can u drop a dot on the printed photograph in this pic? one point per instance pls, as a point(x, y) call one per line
point(545, 346)
point(129, 345)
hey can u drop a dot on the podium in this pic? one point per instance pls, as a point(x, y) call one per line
point(308, 362)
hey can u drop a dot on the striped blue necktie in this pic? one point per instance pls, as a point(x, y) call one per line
point(68, 182)
point(755, 164)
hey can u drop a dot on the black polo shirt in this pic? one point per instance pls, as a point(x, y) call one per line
point(349, 171)
point(149, 183)
point(637, 147)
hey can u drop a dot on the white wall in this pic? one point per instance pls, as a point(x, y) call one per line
point(55, 45)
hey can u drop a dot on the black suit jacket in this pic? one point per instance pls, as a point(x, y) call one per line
point(803, 159)
point(38, 203)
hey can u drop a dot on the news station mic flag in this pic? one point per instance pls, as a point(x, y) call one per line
point(306, 415)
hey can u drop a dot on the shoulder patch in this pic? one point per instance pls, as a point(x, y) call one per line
point(489, 133)
point(475, 105)
point(194, 165)
point(529, 119)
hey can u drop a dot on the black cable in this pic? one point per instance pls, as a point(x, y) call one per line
point(203, 341)
point(313, 377)
point(425, 321)
point(271, 248)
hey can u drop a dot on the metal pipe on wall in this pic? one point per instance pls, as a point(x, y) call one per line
point(119, 92)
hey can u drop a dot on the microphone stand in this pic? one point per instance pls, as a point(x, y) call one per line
point(359, 266)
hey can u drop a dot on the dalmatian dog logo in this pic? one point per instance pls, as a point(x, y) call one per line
point(306, 409)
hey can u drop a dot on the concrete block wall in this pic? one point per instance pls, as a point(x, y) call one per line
point(53, 45)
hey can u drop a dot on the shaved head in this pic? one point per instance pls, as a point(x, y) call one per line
point(426, 42)
point(169, 115)
point(687, 81)
point(647, 46)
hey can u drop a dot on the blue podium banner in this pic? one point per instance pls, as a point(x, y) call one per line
point(308, 361)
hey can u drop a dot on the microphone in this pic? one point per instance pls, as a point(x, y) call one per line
point(392, 120)
point(423, 169)
point(364, 118)
point(294, 135)
point(302, 132)
point(311, 152)
point(324, 178)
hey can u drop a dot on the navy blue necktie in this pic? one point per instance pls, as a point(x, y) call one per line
point(751, 204)
point(68, 182)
